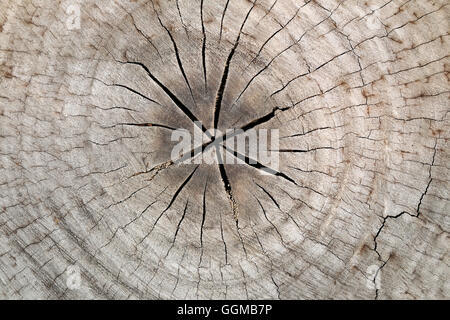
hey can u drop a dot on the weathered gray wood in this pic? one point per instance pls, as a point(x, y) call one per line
point(360, 87)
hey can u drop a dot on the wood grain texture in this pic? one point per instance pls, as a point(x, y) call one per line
point(358, 89)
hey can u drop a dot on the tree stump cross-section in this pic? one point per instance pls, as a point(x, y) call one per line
point(92, 206)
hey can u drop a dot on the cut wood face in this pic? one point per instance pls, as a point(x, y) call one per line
point(92, 205)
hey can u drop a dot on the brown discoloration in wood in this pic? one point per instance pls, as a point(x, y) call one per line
point(86, 117)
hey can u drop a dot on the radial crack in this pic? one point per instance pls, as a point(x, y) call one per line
point(309, 72)
point(273, 35)
point(228, 190)
point(268, 11)
point(302, 150)
point(178, 227)
point(177, 55)
point(146, 124)
point(223, 81)
point(257, 165)
point(127, 88)
point(174, 98)
point(279, 54)
point(203, 47)
point(223, 238)
point(221, 20)
point(175, 195)
point(277, 205)
point(145, 36)
point(181, 19)
point(203, 214)
point(269, 221)
point(263, 119)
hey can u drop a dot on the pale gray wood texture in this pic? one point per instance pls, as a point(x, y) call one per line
point(358, 89)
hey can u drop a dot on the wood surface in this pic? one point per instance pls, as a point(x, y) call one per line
point(358, 209)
